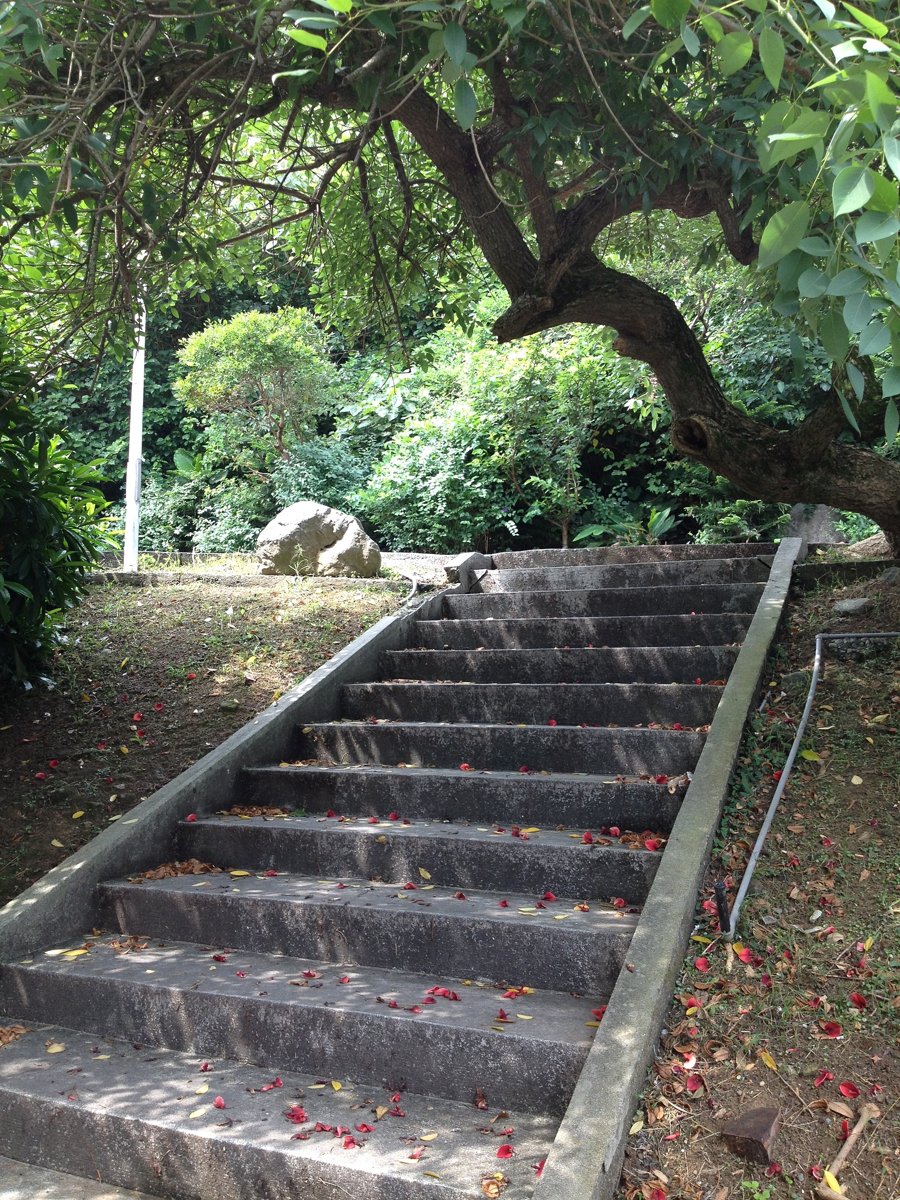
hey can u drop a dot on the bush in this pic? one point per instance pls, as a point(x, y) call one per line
point(49, 529)
point(322, 470)
point(231, 518)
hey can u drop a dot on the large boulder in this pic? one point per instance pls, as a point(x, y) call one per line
point(310, 539)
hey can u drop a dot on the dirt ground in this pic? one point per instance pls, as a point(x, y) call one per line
point(800, 1014)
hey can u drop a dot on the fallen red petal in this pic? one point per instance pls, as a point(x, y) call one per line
point(848, 1089)
point(505, 1151)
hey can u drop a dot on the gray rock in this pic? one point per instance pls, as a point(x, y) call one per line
point(310, 539)
point(891, 576)
point(849, 608)
point(795, 680)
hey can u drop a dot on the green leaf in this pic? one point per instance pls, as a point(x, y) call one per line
point(817, 247)
point(848, 411)
point(304, 74)
point(309, 20)
point(847, 282)
point(383, 23)
point(515, 16)
point(455, 42)
point(670, 13)
point(858, 312)
point(70, 212)
point(812, 283)
point(783, 233)
point(734, 51)
point(867, 21)
point(690, 39)
point(892, 420)
point(851, 189)
point(307, 39)
point(891, 148)
point(771, 55)
point(873, 226)
point(884, 198)
point(834, 336)
point(890, 385)
point(857, 380)
point(882, 101)
point(465, 103)
point(635, 21)
point(875, 338)
point(24, 182)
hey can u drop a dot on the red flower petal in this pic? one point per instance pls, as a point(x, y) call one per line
point(694, 1083)
point(54, 762)
point(587, 837)
point(503, 1015)
point(548, 896)
point(599, 1013)
point(410, 887)
point(702, 964)
point(826, 841)
point(320, 1128)
point(220, 958)
point(364, 1128)
point(615, 831)
point(344, 979)
point(270, 874)
point(858, 1000)
point(823, 1077)
point(191, 675)
point(138, 716)
point(651, 844)
point(772, 1170)
point(205, 1067)
point(538, 1168)
point(219, 1102)
point(40, 774)
point(393, 816)
point(459, 895)
point(466, 767)
point(848, 1089)
point(503, 904)
point(551, 722)
point(618, 902)
point(831, 1028)
point(191, 817)
point(524, 770)
point(505, 1151)
point(158, 706)
point(816, 1171)
point(665, 778)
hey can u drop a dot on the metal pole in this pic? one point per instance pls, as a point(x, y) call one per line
point(135, 444)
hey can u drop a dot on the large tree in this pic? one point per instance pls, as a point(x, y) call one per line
point(142, 137)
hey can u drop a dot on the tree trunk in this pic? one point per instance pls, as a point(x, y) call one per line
point(781, 466)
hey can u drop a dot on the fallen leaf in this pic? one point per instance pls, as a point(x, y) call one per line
point(832, 1182)
point(768, 1060)
point(425, 874)
point(56, 1047)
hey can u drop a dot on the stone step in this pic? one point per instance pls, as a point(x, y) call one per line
point(616, 664)
point(137, 1121)
point(455, 856)
point(502, 747)
point(611, 602)
point(579, 801)
point(676, 552)
point(427, 930)
point(522, 633)
point(535, 703)
point(20, 1181)
point(294, 1014)
point(627, 575)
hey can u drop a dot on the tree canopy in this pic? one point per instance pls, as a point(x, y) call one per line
point(385, 143)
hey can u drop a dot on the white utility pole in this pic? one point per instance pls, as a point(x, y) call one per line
point(135, 444)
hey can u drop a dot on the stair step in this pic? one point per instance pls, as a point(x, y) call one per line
point(582, 802)
point(131, 1125)
point(375, 924)
point(611, 602)
point(676, 552)
point(620, 664)
point(20, 1181)
point(629, 575)
point(544, 632)
point(455, 856)
point(294, 1014)
point(534, 704)
point(503, 747)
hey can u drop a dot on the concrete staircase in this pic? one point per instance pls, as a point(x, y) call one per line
point(391, 983)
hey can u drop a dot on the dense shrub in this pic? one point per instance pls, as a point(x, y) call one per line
point(324, 470)
point(50, 529)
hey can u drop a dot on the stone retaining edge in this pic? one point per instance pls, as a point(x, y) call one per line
point(585, 1160)
point(60, 905)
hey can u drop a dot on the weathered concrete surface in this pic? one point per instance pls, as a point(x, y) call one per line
point(586, 1158)
point(503, 747)
point(611, 602)
point(62, 902)
point(527, 632)
point(136, 1123)
point(581, 802)
point(19, 1181)
point(747, 569)
point(455, 856)
point(507, 560)
point(535, 703)
point(294, 1014)
point(558, 947)
point(617, 664)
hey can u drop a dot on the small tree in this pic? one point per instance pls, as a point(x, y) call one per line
point(274, 365)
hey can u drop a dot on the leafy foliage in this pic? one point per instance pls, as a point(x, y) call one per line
point(50, 532)
point(273, 364)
